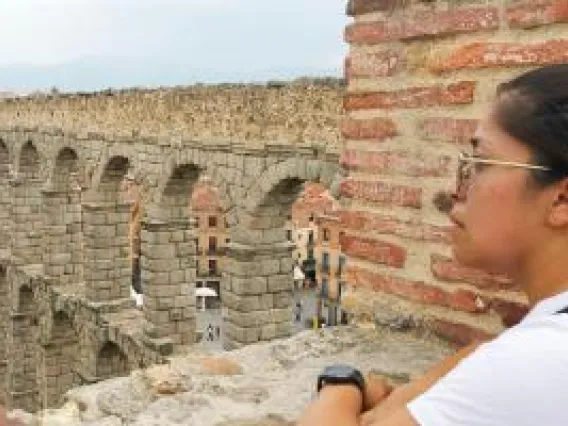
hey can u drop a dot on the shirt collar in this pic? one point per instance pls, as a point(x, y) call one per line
point(549, 306)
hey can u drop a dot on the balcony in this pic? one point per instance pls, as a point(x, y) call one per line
point(325, 268)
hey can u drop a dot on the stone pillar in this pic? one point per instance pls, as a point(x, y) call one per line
point(257, 293)
point(106, 267)
point(4, 325)
point(21, 349)
point(5, 219)
point(168, 279)
point(26, 221)
point(62, 257)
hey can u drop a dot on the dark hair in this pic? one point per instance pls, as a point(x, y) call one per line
point(533, 108)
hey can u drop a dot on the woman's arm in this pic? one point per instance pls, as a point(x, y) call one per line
point(404, 394)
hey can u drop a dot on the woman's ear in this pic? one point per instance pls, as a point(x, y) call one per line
point(558, 214)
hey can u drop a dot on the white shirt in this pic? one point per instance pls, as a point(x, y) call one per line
point(518, 379)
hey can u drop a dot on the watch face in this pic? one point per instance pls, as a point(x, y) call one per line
point(339, 371)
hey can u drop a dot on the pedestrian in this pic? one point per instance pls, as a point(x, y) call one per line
point(210, 336)
point(298, 311)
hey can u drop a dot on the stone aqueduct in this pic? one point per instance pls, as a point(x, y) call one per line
point(66, 317)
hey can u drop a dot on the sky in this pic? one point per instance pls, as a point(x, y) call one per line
point(91, 44)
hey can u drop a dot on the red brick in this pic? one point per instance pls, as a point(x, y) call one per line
point(424, 24)
point(360, 7)
point(412, 228)
point(416, 291)
point(446, 129)
point(396, 163)
point(382, 192)
point(461, 334)
point(415, 97)
point(532, 13)
point(511, 312)
point(491, 55)
point(373, 250)
point(447, 269)
point(378, 129)
point(375, 64)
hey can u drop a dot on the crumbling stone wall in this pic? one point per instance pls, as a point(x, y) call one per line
point(420, 74)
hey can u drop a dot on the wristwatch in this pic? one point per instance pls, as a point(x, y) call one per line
point(340, 374)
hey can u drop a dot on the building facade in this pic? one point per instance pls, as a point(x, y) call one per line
point(211, 240)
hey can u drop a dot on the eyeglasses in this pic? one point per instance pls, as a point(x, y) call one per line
point(468, 165)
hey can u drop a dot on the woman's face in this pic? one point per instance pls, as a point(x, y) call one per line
point(499, 215)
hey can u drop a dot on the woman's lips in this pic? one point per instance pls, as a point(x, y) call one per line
point(456, 221)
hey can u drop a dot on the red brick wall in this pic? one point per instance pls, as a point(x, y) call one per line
point(420, 74)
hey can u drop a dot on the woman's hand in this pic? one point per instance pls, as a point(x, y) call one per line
point(377, 389)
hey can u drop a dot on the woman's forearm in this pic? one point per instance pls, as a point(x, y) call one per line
point(402, 395)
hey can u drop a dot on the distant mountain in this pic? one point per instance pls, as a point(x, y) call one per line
point(97, 74)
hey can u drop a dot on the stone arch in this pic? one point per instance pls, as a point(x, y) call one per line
point(260, 260)
point(5, 199)
point(4, 160)
point(62, 219)
point(29, 161)
point(4, 315)
point(59, 363)
point(111, 362)
point(177, 191)
point(115, 170)
point(299, 169)
point(67, 172)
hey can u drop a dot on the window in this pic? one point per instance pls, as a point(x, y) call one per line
point(289, 234)
point(212, 267)
point(325, 262)
point(324, 288)
point(197, 244)
point(340, 264)
point(212, 244)
point(325, 234)
point(197, 221)
point(212, 221)
point(311, 237)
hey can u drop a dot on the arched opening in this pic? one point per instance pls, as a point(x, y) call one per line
point(59, 363)
point(211, 249)
point(4, 315)
point(63, 220)
point(29, 161)
point(111, 362)
point(112, 179)
point(22, 351)
point(107, 265)
point(178, 190)
point(287, 258)
point(66, 174)
point(4, 195)
point(26, 208)
point(4, 160)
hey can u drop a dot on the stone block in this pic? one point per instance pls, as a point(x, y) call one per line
point(247, 286)
point(268, 332)
point(278, 283)
point(283, 299)
point(281, 315)
point(270, 267)
point(250, 319)
point(242, 334)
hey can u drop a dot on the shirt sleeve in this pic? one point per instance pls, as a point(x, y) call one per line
point(513, 380)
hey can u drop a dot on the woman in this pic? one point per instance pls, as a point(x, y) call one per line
point(510, 216)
